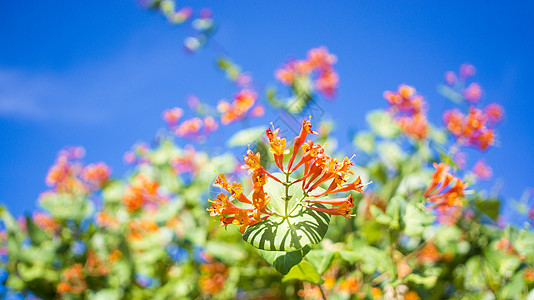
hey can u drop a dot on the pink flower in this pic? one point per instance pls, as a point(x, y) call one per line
point(193, 102)
point(450, 78)
point(495, 112)
point(189, 127)
point(171, 116)
point(210, 125)
point(482, 170)
point(129, 157)
point(467, 70)
point(472, 93)
point(96, 174)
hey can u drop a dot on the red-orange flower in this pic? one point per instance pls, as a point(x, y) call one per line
point(319, 62)
point(319, 170)
point(408, 109)
point(441, 180)
point(476, 128)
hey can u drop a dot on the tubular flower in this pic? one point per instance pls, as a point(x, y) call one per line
point(140, 192)
point(239, 108)
point(319, 170)
point(320, 62)
point(171, 116)
point(482, 171)
point(441, 180)
point(73, 281)
point(96, 174)
point(476, 128)
point(408, 109)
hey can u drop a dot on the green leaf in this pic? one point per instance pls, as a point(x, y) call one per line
point(37, 235)
point(302, 226)
point(382, 123)
point(428, 282)
point(246, 136)
point(304, 271)
point(321, 259)
point(489, 207)
point(365, 141)
point(450, 94)
point(416, 220)
point(283, 261)
point(226, 252)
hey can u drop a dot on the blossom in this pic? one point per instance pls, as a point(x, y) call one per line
point(140, 192)
point(189, 128)
point(72, 281)
point(239, 108)
point(213, 278)
point(171, 116)
point(46, 222)
point(408, 109)
point(494, 112)
point(96, 174)
point(450, 78)
point(319, 62)
point(473, 129)
point(472, 93)
point(437, 194)
point(319, 170)
point(467, 70)
point(429, 254)
point(482, 171)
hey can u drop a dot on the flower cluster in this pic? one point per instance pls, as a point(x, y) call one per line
point(476, 128)
point(473, 92)
point(213, 278)
point(318, 60)
point(241, 107)
point(190, 128)
point(441, 180)
point(408, 108)
point(68, 175)
point(73, 281)
point(143, 191)
point(482, 171)
point(319, 169)
point(46, 222)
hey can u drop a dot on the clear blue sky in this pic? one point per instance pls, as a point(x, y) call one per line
point(99, 73)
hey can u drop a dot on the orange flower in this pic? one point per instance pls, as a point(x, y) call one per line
point(408, 109)
point(320, 62)
point(96, 174)
point(140, 192)
point(319, 169)
point(73, 281)
point(429, 254)
point(46, 222)
point(213, 278)
point(482, 170)
point(441, 179)
point(473, 129)
point(237, 110)
point(171, 116)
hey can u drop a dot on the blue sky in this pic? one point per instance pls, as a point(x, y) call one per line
point(99, 73)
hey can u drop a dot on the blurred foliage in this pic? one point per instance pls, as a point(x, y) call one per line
point(148, 235)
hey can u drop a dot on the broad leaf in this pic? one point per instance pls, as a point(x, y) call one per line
point(246, 136)
point(302, 227)
point(321, 259)
point(284, 261)
point(304, 271)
